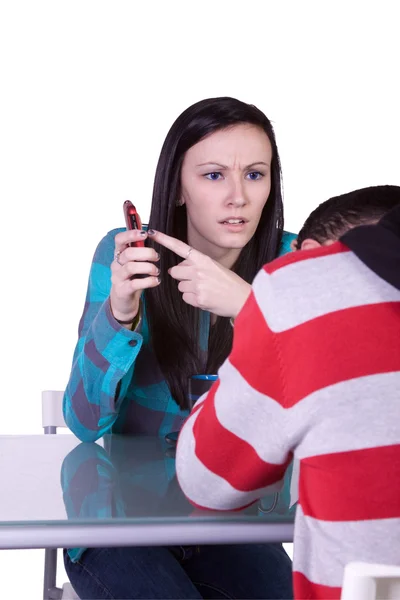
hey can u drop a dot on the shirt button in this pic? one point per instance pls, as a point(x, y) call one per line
point(132, 343)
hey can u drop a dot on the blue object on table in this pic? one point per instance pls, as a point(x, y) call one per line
point(198, 385)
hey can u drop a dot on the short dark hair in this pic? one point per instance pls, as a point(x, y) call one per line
point(331, 219)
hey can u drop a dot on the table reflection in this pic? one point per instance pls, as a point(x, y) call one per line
point(134, 477)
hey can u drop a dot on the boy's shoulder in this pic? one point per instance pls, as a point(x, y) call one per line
point(301, 256)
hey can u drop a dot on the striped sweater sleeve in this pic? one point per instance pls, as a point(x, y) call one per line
point(234, 448)
point(104, 356)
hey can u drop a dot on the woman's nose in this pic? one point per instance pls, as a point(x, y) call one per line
point(237, 195)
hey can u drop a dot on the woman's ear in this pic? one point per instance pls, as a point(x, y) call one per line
point(310, 244)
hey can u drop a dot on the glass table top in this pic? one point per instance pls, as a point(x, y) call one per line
point(56, 478)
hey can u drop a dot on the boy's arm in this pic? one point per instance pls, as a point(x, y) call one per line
point(234, 449)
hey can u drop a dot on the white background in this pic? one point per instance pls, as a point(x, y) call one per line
point(88, 93)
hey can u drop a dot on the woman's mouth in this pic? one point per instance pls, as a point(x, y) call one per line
point(235, 225)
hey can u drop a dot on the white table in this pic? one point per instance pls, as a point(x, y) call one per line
point(60, 493)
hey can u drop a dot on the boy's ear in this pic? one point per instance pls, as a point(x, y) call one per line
point(309, 244)
point(293, 245)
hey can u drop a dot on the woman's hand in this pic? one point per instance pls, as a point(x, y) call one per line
point(204, 283)
point(128, 262)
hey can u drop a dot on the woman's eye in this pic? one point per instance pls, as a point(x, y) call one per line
point(213, 176)
point(255, 175)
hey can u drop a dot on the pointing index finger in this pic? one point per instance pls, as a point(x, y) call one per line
point(177, 246)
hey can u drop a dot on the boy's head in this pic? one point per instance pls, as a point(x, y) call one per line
point(327, 223)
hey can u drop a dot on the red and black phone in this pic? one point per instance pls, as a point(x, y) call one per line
point(132, 221)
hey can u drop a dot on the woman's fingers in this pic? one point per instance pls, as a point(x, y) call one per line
point(136, 254)
point(127, 237)
point(177, 246)
point(187, 286)
point(127, 288)
point(132, 268)
point(182, 272)
point(139, 268)
point(137, 285)
point(191, 299)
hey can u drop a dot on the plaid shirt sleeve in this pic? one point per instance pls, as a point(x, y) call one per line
point(104, 356)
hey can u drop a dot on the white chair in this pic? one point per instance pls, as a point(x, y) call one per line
point(52, 417)
point(364, 581)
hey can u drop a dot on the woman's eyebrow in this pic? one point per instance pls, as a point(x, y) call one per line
point(219, 166)
point(260, 162)
point(212, 164)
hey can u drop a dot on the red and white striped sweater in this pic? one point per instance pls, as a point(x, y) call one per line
point(314, 373)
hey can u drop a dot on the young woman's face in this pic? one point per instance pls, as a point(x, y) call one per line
point(226, 181)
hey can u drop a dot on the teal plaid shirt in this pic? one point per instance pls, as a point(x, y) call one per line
point(116, 385)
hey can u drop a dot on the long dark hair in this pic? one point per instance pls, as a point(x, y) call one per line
point(174, 325)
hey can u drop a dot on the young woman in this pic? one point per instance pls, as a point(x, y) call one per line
point(217, 204)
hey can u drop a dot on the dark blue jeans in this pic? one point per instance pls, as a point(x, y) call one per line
point(238, 571)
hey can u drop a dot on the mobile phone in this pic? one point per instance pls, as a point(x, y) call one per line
point(132, 221)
